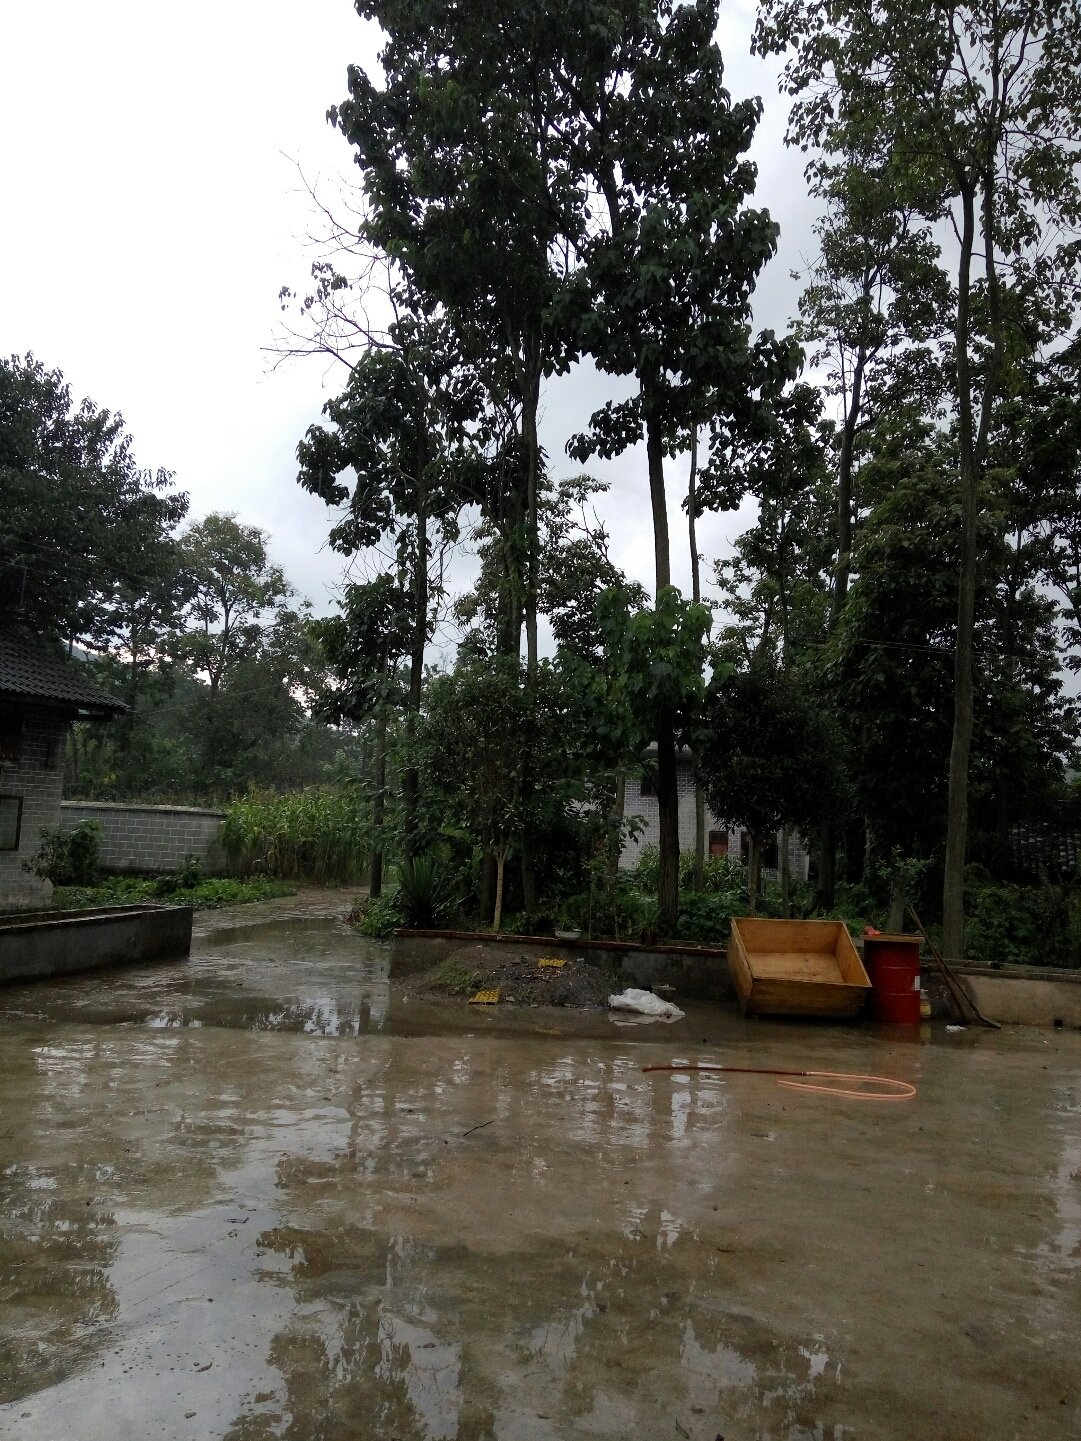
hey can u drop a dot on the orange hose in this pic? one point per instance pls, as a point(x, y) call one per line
point(901, 1091)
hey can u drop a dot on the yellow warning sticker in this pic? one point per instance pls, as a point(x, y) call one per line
point(552, 963)
point(486, 998)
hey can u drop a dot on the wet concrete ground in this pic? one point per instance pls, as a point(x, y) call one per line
point(258, 1195)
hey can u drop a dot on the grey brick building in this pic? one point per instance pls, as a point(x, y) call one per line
point(722, 839)
point(41, 693)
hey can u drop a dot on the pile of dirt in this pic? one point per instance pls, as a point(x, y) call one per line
point(519, 978)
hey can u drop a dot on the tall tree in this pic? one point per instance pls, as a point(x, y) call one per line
point(467, 190)
point(889, 660)
point(482, 727)
point(401, 427)
point(668, 266)
point(973, 111)
point(364, 646)
point(85, 530)
point(874, 292)
point(767, 756)
point(234, 590)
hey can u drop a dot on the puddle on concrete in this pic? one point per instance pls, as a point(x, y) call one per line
point(259, 1195)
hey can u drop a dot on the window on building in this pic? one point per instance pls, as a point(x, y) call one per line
point(11, 817)
point(718, 843)
point(649, 782)
point(11, 739)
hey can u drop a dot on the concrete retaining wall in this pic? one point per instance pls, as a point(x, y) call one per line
point(152, 838)
point(58, 943)
point(1025, 995)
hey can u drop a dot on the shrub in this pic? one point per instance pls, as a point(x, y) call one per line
point(425, 891)
point(187, 876)
point(707, 917)
point(67, 858)
point(647, 871)
point(1014, 925)
point(719, 873)
point(376, 916)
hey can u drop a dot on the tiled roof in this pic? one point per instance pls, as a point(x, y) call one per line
point(34, 670)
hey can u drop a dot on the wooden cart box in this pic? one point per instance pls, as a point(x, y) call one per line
point(796, 968)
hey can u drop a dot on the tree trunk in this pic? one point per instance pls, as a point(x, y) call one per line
point(786, 874)
point(953, 882)
point(754, 872)
point(696, 596)
point(530, 405)
point(375, 884)
point(699, 836)
point(500, 864)
point(655, 457)
point(486, 898)
point(411, 776)
point(844, 491)
point(667, 793)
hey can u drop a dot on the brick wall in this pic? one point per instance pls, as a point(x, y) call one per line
point(152, 838)
point(36, 777)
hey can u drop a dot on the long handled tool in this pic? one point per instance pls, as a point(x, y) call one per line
point(966, 1006)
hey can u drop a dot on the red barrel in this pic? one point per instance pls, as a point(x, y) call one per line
point(892, 964)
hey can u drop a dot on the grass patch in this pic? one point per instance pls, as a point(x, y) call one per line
point(454, 978)
point(203, 895)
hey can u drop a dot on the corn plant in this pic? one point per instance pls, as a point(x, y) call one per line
point(320, 834)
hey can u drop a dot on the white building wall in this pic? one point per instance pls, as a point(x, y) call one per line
point(637, 804)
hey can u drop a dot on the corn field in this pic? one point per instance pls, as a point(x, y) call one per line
point(320, 834)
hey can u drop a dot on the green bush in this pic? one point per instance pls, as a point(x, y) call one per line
point(320, 834)
point(1015, 925)
point(426, 895)
point(529, 923)
point(707, 917)
point(376, 916)
point(719, 873)
point(67, 858)
point(647, 870)
point(187, 877)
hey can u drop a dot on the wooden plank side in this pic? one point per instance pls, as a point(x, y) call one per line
point(848, 961)
point(738, 968)
point(796, 966)
point(775, 935)
point(790, 998)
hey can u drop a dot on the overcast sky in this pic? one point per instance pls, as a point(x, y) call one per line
point(153, 211)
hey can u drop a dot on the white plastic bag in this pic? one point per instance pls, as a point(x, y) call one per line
point(645, 1003)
